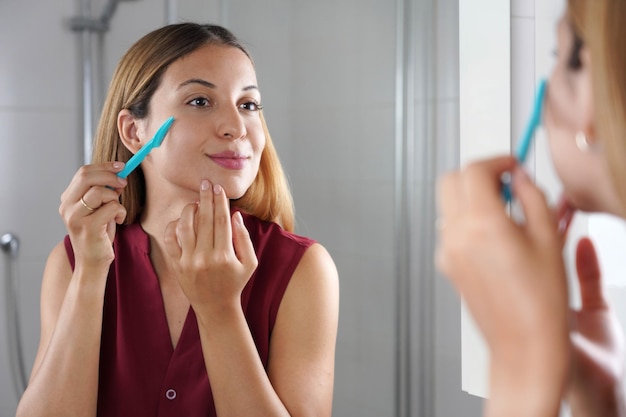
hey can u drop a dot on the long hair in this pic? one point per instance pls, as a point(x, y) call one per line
point(134, 82)
point(601, 26)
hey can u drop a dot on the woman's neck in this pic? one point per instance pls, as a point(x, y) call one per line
point(163, 208)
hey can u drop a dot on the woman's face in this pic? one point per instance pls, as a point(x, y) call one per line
point(217, 132)
point(587, 184)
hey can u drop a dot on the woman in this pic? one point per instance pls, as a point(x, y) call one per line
point(512, 275)
point(182, 290)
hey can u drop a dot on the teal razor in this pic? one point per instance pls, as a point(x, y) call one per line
point(522, 148)
point(155, 142)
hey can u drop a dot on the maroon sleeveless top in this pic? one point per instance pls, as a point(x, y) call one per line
point(140, 372)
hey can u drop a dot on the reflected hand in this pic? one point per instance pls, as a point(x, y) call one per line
point(512, 278)
point(598, 347)
point(212, 253)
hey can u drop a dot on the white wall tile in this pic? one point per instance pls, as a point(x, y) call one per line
point(38, 66)
point(485, 72)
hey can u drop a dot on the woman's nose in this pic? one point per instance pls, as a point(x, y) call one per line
point(231, 124)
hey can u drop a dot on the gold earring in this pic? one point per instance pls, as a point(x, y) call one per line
point(581, 142)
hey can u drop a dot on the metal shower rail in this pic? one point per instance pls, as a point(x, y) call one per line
point(9, 244)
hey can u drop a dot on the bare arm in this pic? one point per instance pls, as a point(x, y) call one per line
point(513, 280)
point(64, 380)
point(302, 351)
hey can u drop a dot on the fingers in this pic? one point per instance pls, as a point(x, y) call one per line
point(206, 215)
point(589, 276)
point(95, 175)
point(92, 187)
point(474, 192)
point(206, 226)
point(94, 194)
point(242, 242)
point(476, 188)
point(222, 229)
point(481, 183)
point(540, 220)
point(186, 229)
point(97, 196)
point(448, 196)
point(172, 244)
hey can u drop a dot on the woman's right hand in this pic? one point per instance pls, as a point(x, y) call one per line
point(512, 278)
point(90, 209)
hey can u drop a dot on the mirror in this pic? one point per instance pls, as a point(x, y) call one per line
point(362, 100)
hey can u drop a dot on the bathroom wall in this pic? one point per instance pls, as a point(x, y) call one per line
point(41, 142)
point(38, 151)
point(328, 73)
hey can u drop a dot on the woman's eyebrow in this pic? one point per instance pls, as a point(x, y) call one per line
point(211, 85)
point(197, 81)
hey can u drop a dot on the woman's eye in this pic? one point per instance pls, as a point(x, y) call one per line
point(199, 102)
point(251, 106)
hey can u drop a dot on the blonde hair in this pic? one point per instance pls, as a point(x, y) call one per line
point(601, 26)
point(134, 82)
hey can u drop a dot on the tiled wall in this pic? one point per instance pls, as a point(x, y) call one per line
point(40, 140)
point(38, 126)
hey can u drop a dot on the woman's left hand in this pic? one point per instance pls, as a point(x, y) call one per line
point(212, 252)
point(598, 346)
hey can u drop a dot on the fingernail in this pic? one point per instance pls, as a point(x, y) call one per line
point(117, 165)
point(217, 188)
point(204, 185)
point(122, 181)
point(238, 218)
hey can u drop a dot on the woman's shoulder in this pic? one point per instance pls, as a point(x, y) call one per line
point(298, 255)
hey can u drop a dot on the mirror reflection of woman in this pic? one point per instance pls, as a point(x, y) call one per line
point(512, 275)
point(183, 289)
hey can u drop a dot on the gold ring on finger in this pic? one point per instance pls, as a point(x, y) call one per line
point(82, 201)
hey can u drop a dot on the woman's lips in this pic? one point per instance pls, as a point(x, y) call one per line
point(229, 159)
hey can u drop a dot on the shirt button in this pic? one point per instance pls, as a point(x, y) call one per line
point(170, 394)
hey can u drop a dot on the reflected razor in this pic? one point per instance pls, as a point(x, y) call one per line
point(526, 140)
point(141, 154)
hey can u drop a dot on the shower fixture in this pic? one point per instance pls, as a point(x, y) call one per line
point(85, 25)
point(9, 245)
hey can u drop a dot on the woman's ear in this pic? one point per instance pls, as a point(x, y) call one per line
point(129, 129)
